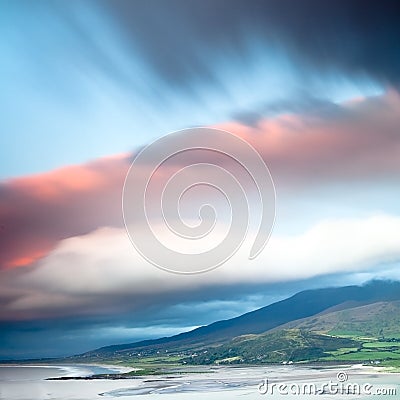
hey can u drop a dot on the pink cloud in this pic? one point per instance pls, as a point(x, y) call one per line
point(38, 211)
point(359, 140)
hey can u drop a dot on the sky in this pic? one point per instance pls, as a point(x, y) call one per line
point(85, 85)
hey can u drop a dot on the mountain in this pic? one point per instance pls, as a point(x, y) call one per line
point(363, 333)
point(381, 319)
point(299, 307)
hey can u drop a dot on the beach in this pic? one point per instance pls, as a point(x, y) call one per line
point(30, 383)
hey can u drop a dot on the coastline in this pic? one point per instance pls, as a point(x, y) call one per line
point(90, 371)
point(217, 382)
point(73, 370)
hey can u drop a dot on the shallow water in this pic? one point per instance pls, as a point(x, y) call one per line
point(28, 383)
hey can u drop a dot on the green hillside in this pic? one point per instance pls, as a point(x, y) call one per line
point(378, 320)
point(367, 334)
point(288, 345)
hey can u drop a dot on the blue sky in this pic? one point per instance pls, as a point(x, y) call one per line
point(76, 87)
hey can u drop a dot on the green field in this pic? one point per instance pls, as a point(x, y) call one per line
point(370, 351)
point(377, 344)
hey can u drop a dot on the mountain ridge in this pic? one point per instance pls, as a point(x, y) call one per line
point(302, 305)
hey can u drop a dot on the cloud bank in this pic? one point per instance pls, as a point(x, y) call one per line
point(355, 142)
point(101, 272)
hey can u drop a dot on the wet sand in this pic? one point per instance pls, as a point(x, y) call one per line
point(211, 383)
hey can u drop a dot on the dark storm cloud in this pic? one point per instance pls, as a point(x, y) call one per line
point(180, 37)
point(75, 334)
point(127, 323)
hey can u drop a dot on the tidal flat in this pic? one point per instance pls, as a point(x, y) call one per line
point(208, 382)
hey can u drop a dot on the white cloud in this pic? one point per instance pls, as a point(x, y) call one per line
point(91, 272)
